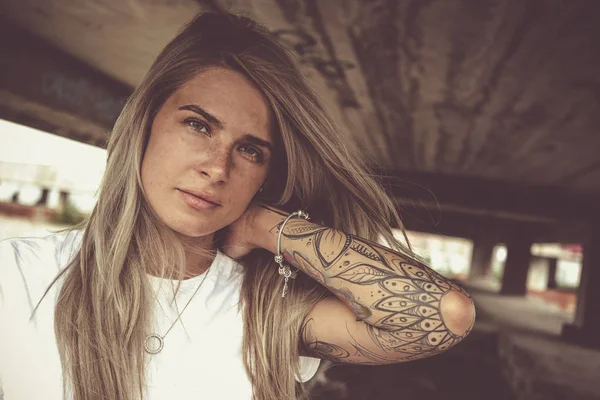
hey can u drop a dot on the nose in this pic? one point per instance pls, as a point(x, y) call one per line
point(216, 165)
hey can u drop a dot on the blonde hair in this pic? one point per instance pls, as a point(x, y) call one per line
point(105, 303)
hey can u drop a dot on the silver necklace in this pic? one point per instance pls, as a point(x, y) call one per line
point(154, 342)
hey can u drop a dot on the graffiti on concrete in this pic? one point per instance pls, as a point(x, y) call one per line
point(332, 70)
point(79, 92)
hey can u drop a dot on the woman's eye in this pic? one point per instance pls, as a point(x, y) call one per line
point(197, 125)
point(252, 152)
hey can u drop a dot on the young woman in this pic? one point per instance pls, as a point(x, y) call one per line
point(170, 289)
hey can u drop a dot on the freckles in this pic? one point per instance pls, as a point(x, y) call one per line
point(221, 158)
point(166, 152)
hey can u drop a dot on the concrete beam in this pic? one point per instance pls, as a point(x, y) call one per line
point(48, 89)
point(526, 203)
point(469, 226)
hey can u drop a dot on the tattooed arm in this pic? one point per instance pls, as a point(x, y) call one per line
point(387, 307)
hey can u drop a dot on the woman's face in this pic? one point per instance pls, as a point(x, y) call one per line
point(211, 139)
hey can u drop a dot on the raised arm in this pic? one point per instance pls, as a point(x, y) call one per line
point(387, 307)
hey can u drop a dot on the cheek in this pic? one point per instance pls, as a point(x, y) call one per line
point(150, 168)
point(246, 185)
point(160, 157)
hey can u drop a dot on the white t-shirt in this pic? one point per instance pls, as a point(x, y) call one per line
point(202, 354)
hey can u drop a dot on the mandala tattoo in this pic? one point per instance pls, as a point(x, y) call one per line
point(330, 245)
point(368, 252)
point(298, 229)
point(347, 297)
point(304, 265)
point(327, 351)
point(397, 298)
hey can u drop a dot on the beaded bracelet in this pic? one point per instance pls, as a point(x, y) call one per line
point(285, 270)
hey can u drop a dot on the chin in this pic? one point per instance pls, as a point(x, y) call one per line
point(187, 229)
point(191, 226)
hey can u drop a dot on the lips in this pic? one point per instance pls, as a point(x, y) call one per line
point(202, 196)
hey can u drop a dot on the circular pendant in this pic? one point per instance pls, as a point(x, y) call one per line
point(154, 343)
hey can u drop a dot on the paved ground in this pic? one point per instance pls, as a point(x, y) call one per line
point(513, 353)
point(536, 361)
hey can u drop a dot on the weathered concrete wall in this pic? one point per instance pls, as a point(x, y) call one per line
point(498, 89)
point(50, 90)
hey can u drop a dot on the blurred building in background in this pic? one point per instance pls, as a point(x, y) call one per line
point(36, 199)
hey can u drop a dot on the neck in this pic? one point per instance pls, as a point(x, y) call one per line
point(199, 255)
point(196, 261)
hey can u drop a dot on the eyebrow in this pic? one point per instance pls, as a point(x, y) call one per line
point(215, 121)
point(199, 110)
point(258, 141)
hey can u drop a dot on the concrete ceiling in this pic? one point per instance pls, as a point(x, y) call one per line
point(506, 90)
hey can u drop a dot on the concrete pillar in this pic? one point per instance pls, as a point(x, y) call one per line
point(63, 199)
point(586, 327)
point(43, 201)
point(518, 257)
point(552, 273)
point(481, 261)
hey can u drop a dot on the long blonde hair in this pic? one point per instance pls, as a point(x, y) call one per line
point(105, 302)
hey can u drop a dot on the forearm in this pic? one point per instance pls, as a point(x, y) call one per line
point(384, 288)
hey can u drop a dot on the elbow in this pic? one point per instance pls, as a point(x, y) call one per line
point(458, 313)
